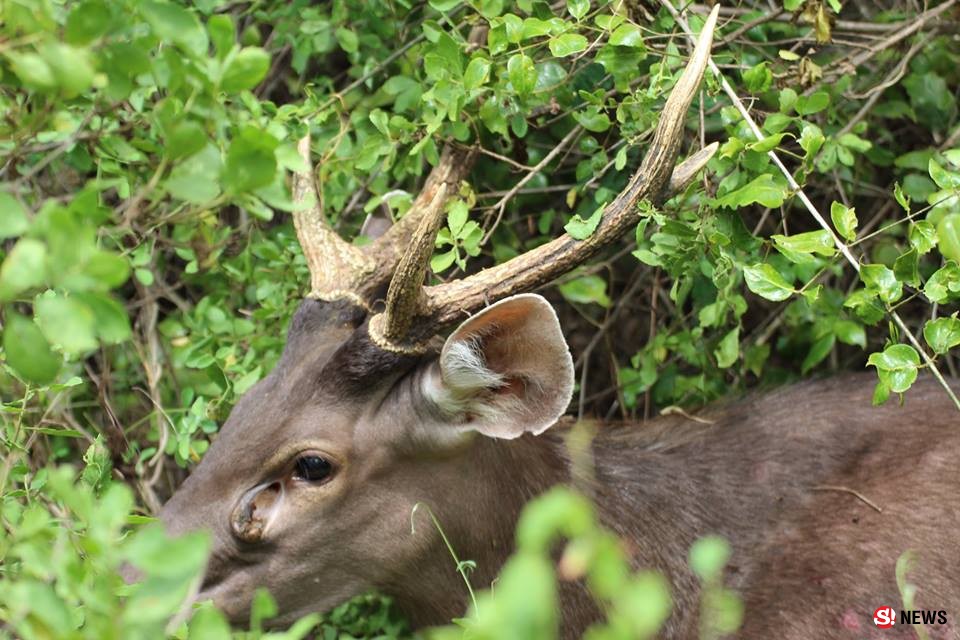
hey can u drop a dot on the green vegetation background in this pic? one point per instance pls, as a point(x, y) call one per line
point(148, 265)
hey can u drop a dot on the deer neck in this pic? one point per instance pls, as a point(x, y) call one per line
point(479, 523)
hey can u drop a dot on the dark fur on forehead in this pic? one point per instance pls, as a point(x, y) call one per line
point(313, 316)
point(360, 367)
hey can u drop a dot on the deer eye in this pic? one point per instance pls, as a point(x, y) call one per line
point(312, 468)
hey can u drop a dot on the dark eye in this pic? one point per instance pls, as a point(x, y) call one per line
point(312, 468)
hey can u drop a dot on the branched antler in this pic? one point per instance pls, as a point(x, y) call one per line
point(341, 270)
point(415, 313)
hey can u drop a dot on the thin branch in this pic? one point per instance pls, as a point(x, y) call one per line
point(501, 205)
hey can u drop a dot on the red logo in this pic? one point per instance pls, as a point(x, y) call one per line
point(885, 617)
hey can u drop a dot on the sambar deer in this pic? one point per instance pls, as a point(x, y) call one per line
point(310, 486)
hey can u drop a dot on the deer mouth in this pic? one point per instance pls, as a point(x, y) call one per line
point(230, 594)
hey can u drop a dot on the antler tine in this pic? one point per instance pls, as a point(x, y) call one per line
point(388, 250)
point(405, 294)
point(406, 287)
point(453, 166)
point(447, 303)
point(337, 268)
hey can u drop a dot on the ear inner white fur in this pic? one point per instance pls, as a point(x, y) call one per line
point(505, 371)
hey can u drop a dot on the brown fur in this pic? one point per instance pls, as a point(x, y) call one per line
point(773, 473)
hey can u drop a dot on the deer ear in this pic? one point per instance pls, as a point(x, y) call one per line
point(506, 371)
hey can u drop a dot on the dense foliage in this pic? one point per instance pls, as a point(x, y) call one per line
point(148, 264)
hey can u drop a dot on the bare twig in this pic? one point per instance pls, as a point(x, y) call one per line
point(501, 204)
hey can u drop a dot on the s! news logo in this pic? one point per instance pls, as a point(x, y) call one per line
point(886, 617)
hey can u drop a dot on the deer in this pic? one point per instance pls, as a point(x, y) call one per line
point(392, 393)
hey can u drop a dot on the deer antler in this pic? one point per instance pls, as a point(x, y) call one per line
point(339, 269)
point(415, 313)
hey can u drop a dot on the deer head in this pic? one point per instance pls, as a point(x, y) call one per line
point(310, 486)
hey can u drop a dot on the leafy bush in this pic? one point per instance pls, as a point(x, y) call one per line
point(148, 266)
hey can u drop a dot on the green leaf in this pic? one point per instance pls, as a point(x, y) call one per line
point(766, 282)
point(767, 144)
point(881, 393)
point(251, 162)
point(943, 178)
point(855, 142)
point(457, 217)
point(184, 139)
point(27, 351)
point(896, 366)
point(477, 73)
point(347, 39)
point(850, 332)
point(113, 323)
point(882, 280)
point(907, 268)
point(71, 66)
point(521, 73)
point(948, 236)
point(13, 216)
point(758, 78)
point(175, 24)
point(66, 322)
point(814, 103)
point(844, 221)
point(902, 199)
point(245, 70)
point(108, 269)
point(942, 334)
point(865, 305)
point(151, 551)
point(33, 70)
point(514, 27)
point(591, 289)
point(818, 351)
point(223, 33)
point(197, 179)
point(381, 121)
point(787, 99)
point(208, 623)
point(567, 44)
point(490, 8)
point(762, 190)
point(728, 349)
point(578, 8)
point(922, 236)
point(708, 556)
point(944, 284)
point(811, 139)
point(440, 262)
point(580, 229)
point(535, 28)
point(24, 268)
point(627, 35)
point(87, 22)
point(444, 6)
point(819, 242)
point(592, 119)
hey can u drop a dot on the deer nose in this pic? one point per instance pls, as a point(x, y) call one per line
point(255, 511)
